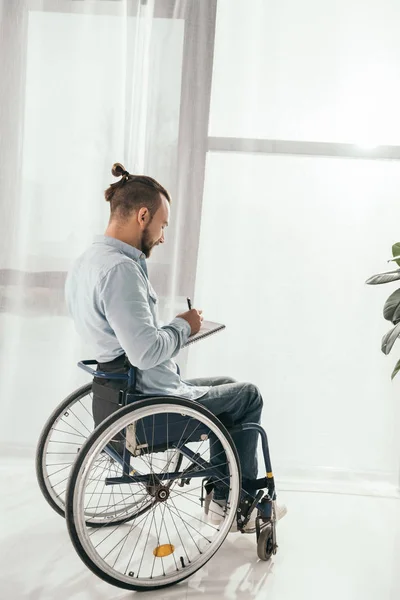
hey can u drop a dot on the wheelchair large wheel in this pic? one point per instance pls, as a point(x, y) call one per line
point(169, 538)
point(61, 439)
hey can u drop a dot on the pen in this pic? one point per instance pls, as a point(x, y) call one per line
point(189, 303)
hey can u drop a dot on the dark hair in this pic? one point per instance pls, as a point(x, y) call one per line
point(132, 192)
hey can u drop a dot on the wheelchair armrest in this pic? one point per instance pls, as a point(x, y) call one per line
point(84, 364)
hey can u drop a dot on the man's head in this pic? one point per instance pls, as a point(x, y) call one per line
point(139, 210)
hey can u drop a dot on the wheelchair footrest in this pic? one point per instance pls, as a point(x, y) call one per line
point(246, 507)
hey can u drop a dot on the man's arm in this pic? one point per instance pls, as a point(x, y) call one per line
point(124, 301)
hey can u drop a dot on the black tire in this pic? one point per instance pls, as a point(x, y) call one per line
point(76, 472)
point(61, 408)
point(265, 543)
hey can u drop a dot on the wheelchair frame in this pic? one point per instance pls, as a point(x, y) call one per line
point(159, 483)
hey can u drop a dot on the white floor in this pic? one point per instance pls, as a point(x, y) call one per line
point(331, 546)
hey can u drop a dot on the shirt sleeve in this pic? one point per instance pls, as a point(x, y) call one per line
point(124, 300)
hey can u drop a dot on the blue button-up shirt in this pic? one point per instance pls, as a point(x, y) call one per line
point(114, 308)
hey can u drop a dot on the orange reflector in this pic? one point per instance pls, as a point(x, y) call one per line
point(270, 475)
point(164, 550)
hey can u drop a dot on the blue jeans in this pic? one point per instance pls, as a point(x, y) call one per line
point(234, 403)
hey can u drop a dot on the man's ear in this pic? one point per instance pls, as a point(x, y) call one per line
point(143, 216)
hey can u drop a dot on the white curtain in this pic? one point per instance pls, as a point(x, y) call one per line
point(86, 84)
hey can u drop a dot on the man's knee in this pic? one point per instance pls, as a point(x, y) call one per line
point(228, 380)
point(255, 395)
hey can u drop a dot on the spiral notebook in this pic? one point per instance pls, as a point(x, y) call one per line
point(207, 328)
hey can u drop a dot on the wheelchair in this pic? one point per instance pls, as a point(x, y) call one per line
point(134, 489)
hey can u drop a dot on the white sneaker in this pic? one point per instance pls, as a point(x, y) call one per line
point(250, 527)
point(216, 513)
point(280, 511)
point(207, 501)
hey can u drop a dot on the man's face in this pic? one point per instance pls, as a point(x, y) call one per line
point(153, 234)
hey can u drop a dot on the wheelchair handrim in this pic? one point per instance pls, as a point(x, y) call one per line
point(78, 510)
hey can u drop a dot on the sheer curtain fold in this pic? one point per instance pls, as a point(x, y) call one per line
point(84, 84)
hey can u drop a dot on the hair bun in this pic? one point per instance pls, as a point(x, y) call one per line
point(118, 170)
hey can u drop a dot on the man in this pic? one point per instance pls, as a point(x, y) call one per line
point(114, 307)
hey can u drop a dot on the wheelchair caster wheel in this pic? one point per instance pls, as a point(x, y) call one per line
point(265, 543)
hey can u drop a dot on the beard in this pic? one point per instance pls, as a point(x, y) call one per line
point(147, 243)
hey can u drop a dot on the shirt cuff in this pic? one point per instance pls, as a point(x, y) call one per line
point(183, 327)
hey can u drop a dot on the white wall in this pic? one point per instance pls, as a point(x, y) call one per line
point(287, 242)
point(286, 245)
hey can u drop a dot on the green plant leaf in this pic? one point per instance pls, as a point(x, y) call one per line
point(389, 339)
point(396, 251)
point(391, 310)
point(386, 277)
point(396, 369)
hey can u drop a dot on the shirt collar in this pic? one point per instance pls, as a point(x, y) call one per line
point(130, 251)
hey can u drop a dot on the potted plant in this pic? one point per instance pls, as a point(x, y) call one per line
point(391, 310)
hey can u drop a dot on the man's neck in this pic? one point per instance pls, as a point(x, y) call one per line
point(123, 236)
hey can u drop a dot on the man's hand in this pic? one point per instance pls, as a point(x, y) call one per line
point(194, 318)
